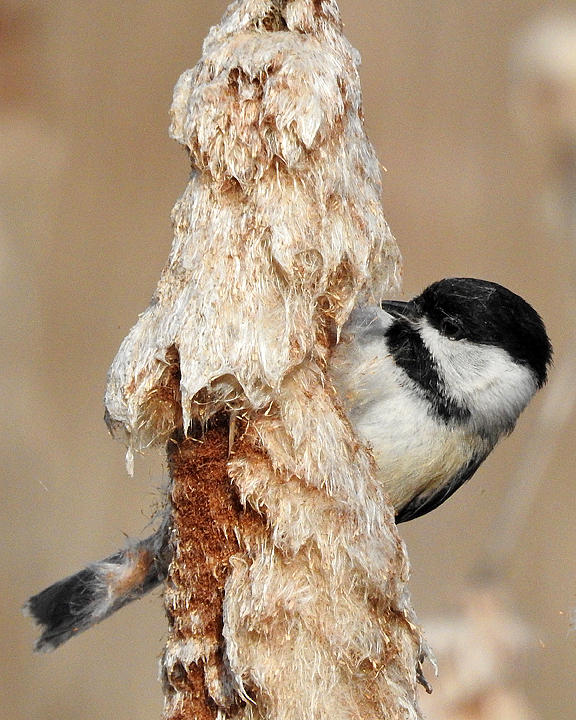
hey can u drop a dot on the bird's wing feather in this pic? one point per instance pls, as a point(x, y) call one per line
point(424, 502)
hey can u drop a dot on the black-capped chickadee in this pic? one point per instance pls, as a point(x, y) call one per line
point(433, 383)
point(430, 384)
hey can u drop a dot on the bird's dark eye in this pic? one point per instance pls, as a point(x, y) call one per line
point(451, 328)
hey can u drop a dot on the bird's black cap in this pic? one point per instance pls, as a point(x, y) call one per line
point(487, 313)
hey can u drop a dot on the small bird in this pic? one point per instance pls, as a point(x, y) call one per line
point(430, 385)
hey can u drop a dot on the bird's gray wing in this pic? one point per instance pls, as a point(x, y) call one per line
point(424, 502)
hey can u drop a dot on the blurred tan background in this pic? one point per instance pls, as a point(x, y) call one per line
point(88, 177)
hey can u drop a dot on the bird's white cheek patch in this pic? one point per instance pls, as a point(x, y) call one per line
point(483, 378)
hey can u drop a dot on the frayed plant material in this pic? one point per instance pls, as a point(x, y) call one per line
point(286, 595)
point(281, 215)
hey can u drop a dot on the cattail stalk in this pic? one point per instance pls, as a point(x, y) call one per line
point(286, 596)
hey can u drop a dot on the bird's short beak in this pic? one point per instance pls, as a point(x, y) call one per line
point(400, 309)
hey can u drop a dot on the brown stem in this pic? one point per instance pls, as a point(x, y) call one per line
point(206, 518)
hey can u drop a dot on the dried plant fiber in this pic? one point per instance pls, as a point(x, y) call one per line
point(286, 595)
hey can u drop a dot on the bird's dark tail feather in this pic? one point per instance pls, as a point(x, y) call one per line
point(74, 604)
